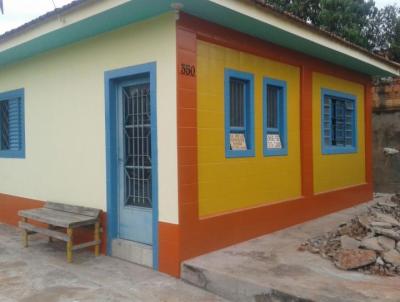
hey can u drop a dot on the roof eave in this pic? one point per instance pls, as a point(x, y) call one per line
point(85, 18)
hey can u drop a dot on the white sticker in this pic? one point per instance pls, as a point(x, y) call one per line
point(274, 141)
point(238, 141)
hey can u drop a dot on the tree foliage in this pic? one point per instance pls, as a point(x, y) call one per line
point(358, 21)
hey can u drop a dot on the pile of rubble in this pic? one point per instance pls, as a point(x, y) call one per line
point(369, 243)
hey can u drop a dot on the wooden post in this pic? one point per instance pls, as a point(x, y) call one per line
point(25, 234)
point(97, 237)
point(69, 244)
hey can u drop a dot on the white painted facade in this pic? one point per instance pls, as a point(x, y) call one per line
point(65, 116)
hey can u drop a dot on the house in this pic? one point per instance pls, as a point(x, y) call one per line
point(193, 125)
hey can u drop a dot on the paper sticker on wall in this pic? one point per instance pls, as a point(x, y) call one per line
point(274, 141)
point(238, 141)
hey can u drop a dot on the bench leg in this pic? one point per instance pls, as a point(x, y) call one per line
point(97, 237)
point(24, 234)
point(69, 244)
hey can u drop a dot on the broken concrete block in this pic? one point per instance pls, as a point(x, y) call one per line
point(372, 244)
point(349, 243)
point(351, 259)
point(392, 257)
point(387, 218)
point(386, 243)
point(388, 233)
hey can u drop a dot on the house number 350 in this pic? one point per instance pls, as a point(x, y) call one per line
point(188, 70)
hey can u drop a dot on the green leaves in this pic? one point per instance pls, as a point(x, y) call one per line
point(357, 21)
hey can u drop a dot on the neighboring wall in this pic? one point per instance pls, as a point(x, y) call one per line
point(386, 133)
point(65, 116)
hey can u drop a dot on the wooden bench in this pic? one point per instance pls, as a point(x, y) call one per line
point(58, 217)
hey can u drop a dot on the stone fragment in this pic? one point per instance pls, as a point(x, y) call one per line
point(351, 259)
point(380, 261)
point(386, 243)
point(381, 224)
point(392, 257)
point(387, 218)
point(372, 244)
point(398, 246)
point(387, 204)
point(364, 220)
point(349, 243)
point(388, 233)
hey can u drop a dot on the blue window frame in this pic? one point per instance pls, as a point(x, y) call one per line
point(339, 126)
point(275, 120)
point(239, 114)
point(12, 128)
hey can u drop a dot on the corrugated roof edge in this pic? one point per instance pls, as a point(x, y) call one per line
point(78, 3)
point(44, 18)
point(319, 30)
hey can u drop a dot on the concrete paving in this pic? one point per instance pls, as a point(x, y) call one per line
point(270, 268)
point(41, 274)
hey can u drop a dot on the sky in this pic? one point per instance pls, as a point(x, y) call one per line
point(18, 12)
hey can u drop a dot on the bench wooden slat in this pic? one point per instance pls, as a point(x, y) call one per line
point(86, 244)
point(91, 212)
point(47, 232)
point(58, 218)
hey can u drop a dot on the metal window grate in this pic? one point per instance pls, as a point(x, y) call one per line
point(237, 103)
point(273, 93)
point(137, 145)
point(4, 125)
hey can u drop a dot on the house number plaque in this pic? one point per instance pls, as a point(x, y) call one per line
point(188, 70)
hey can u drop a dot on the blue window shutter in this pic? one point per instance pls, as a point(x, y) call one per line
point(15, 124)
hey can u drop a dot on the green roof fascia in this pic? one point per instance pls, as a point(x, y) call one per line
point(138, 10)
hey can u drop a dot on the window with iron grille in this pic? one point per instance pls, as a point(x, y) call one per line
point(338, 122)
point(239, 114)
point(12, 137)
point(275, 123)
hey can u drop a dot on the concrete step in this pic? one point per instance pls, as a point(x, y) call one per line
point(234, 288)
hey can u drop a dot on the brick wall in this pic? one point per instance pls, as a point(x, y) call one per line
point(386, 95)
point(386, 133)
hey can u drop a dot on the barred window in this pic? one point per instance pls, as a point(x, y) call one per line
point(275, 124)
point(339, 123)
point(239, 114)
point(11, 124)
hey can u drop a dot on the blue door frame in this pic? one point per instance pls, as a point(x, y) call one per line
point(112, 78)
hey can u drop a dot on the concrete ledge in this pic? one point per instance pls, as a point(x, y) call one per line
point(270, 268)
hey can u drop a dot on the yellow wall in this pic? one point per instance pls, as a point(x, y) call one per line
point(335, 171)
point(227, 184)
point(65, 116)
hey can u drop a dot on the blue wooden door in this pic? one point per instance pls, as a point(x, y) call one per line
point(135, 161)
